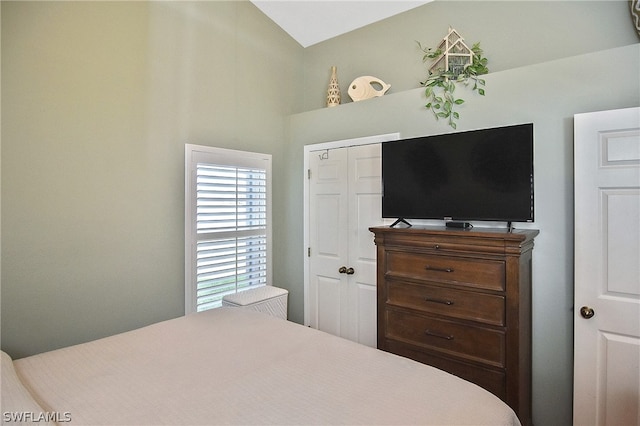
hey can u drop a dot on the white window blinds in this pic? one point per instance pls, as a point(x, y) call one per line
point(228, 224)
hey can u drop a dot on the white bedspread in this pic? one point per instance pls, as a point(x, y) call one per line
point(234, 366)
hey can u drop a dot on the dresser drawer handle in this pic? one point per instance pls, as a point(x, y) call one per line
point(444, 302)
point(439, 335)
point(433, 268)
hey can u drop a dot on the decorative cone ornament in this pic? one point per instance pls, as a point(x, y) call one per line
point(333, 94)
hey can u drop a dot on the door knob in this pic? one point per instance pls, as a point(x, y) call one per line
point(587, 312)
point(345, 270)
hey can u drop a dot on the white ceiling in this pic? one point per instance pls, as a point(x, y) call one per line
point(312, 21)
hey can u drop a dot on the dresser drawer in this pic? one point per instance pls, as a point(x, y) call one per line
point(473, 272)
point(486, 308)
point(492, 379)
point(447, 337)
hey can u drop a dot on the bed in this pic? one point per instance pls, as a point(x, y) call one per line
point(235, 366)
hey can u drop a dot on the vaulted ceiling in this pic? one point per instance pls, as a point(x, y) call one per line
point(312, 21)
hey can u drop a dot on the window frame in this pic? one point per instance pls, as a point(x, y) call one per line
point(195, 154)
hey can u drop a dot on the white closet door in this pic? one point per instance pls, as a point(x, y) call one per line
point(344, 201)
point(365, 210)
point(328, 220)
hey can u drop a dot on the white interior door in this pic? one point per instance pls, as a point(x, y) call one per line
point(607, 268)
point(365, 210)
point(344, 201)
point(328, 248)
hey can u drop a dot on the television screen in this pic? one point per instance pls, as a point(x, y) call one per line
point(477, 175)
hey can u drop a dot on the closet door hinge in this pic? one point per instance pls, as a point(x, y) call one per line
point(308, 251)
point(308, 173)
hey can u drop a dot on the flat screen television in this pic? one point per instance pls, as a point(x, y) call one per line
point(484, 175)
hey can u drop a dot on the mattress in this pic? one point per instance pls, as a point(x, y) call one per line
point(237, 366)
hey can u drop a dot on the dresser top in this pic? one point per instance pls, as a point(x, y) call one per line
point(519, 235)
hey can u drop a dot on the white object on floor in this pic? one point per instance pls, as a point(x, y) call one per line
point(267, 299)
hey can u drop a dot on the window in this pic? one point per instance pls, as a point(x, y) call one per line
point(227, 224)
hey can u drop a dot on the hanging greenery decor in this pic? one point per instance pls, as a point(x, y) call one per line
point(454, 62)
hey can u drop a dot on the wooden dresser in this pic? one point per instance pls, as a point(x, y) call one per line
point(460, 300)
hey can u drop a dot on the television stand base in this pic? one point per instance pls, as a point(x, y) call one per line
point(399, 221)
point(456, 224)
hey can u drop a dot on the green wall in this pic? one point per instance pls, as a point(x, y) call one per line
point(549, 61)
point(98, 100)
point(513, 34)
